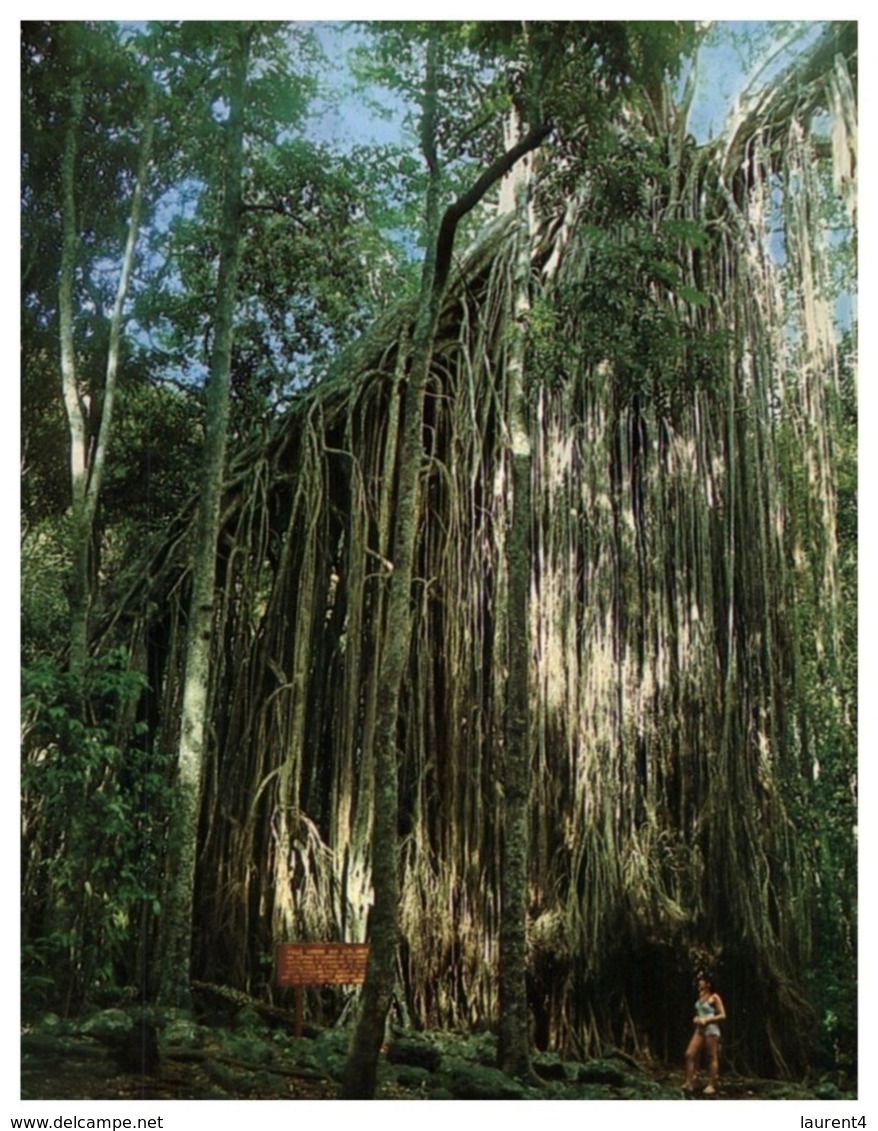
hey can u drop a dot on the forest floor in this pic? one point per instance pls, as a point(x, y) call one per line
point(109, 1055)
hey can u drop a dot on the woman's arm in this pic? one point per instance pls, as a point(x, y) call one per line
point(717, 1003)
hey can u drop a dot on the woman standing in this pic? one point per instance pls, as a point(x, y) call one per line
point(709, 1011)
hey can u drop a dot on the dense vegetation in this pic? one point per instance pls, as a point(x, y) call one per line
point(512, 624)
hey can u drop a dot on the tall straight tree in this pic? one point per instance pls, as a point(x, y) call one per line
point(89, 437)
point(177, 933)
point(361, 1068)
point(513, 1045)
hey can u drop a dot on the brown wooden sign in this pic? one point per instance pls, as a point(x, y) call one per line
point(321, 964)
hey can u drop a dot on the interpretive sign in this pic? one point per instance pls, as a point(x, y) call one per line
point(319, 964)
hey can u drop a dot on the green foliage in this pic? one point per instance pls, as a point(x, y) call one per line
point(94, 801)
point(634, 311)
point(314, 260)
point(564, 73)
point(115, 80)
point(44, 613)
point(149, 473)
point(114, 84)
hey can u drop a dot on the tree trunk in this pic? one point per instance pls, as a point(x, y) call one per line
point(183, 836)
point(513, 1049)
point(86, 472)
point(78, 595)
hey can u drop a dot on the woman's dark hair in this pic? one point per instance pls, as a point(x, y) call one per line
point(703, 976)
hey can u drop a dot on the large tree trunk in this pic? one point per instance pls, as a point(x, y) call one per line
point(183, 837)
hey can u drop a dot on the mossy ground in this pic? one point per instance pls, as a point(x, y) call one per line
point(91, 1058)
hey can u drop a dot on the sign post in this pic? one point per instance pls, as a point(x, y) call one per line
point(319, 964)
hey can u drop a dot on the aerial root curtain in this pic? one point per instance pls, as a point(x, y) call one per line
point(683, 587)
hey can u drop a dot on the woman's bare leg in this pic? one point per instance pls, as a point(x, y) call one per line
point(712, 1044)
point(692, 1051)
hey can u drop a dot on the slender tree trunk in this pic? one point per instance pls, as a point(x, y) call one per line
point(78, 596)
point(513, 1049)
point(177, 932)
point(96, 471)
point(86, 470)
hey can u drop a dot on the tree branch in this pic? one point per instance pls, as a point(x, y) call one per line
point(277, 209)
point(468, 200)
